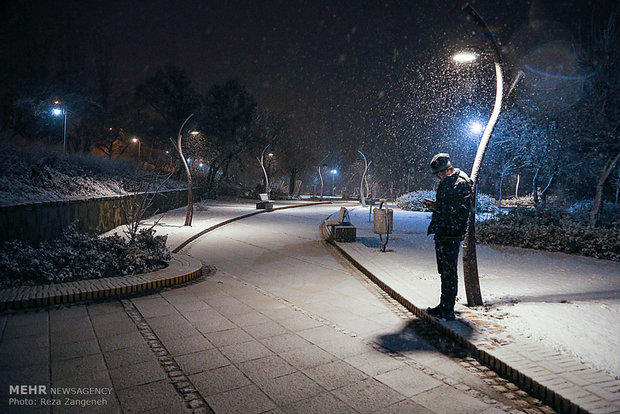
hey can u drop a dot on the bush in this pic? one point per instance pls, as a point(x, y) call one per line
point(552, 230)
point(77, 256)
point(413, 202)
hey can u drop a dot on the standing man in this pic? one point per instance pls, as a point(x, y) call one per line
point(449, 224)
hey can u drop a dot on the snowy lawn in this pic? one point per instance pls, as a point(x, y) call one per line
point(570, 303)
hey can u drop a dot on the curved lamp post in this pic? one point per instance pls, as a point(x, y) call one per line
point(366, 165)
point(261, 161)
point(470, 260)
point(190, 195)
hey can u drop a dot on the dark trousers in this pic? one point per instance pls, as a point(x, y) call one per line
point(447, 253)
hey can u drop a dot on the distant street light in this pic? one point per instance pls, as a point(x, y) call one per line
point(58, 110)
point(261, 161)
point(134, 140)
point(465, 57)
point(333, 173)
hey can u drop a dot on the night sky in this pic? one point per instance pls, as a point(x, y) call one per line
point(335, 69)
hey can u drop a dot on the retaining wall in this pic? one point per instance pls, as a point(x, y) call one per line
point(46, 220)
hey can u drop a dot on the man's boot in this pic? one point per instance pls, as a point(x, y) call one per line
point(437, 311)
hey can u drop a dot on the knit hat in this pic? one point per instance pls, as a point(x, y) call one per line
point(440, 162)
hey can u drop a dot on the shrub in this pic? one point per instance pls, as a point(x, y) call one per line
point(77, 256)
point(413, 202)
point(552, 230)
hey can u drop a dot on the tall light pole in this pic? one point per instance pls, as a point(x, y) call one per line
point(470, 260)
point(261, 161)
point(190, 196)
point(333, 173)
point(57, 111)
point(134, 140)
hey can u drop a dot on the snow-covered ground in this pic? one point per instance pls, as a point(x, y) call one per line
point(570, 303)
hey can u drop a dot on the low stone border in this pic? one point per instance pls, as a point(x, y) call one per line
point(181, 269)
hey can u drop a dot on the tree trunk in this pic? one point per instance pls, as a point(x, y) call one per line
point(534, 189)
point(291, 181)
point(598, 197)
point(543, 193)
point(501, 181)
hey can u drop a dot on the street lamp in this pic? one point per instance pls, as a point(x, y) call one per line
point(261, 161)
point(333, 173)
point(57, 111)
point(470, 261)
point(134, 140)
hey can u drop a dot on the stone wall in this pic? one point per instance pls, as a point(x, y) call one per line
point(46, 220)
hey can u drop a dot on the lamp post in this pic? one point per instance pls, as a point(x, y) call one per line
point(333, 172)
point(261, 161)
point(134, 140)
point(470, 261)
point(57, 111)
point(190, 196)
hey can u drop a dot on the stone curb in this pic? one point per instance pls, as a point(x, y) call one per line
point(180, 269)
point(505, 363)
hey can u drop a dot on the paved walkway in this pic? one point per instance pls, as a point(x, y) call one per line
point(285, 325)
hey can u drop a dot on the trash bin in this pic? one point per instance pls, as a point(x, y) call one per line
point(383, 220)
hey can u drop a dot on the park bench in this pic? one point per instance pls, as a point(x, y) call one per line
point(264, 202)
point(341, 228)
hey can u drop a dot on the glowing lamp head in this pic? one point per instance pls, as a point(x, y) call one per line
point(334, 171)
point(57, 111)
point(465, 57)
point(134, 140)
point(194, 132)
point(270, 154)
point(201, 165)
point(476, 127)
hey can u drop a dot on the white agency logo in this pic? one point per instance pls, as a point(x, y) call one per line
point(37, 395)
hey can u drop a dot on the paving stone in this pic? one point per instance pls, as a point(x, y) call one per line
point(264, 369)
point(334, 375)
point(15, 330)
point(219, 380)
point(368, 396)
point(75, 350)
point(307, 356)
point(245, 400)
point(298, 322)
point(284, 343)
point(136, 374)
point(409, 407)
point(140, 352)
point(127, 340)
point(319, 404)
point(448, 400)
point(188, 306)
point(77, 367)
point(374, 362)
point(187, 345)
point(228, 337)
point(248, 319)
point(20, 355)
point(245, 351)
point(72, 335)
point(214, 325)
point(408, 381)
point(159, 395)
point(121, 326)
point(265, 330)
point(343, 346)
point(104, 308)
point(290, 388)
point(201, 361)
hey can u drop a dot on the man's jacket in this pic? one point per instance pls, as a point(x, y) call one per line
point(454, 197)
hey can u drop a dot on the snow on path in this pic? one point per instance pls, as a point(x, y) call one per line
point(570, 303)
